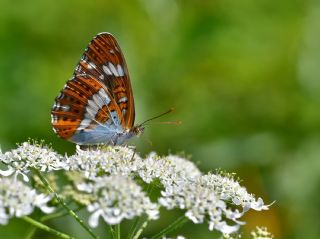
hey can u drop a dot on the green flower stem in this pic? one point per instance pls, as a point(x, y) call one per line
point(112, 232)
point(133, 228)
point(45, 228)
point(175, 225)
point(57, 215)
point(60, 200)
point(31, 232)
point(53, 216)
point(138, 226)
point(117, 230)
point(140, 230)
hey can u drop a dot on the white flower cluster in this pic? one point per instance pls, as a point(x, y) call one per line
point(169, 170)
point(231, 236)
point(26, 156)
point(117, 198)
point(18, 199)
point(229, 189)
point(201, 203)
point(124, 161)
point(112, 160)
point(203, 197)
point(261, 233)
point(110, 175)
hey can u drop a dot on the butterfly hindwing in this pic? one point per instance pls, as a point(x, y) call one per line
point(83, 108)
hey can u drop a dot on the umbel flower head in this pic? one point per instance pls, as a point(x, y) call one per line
point(111, 182)
point(261, 233)
point(205, 198)
point(110, 160)
point(28, 155)
point(169, 170)
point(117, 198)
point(18, 199)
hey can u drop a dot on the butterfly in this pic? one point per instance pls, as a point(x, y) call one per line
point(96, 105)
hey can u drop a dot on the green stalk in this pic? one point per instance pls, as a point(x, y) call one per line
point(45, 228)
point(140, 230)
point(139, 224)
point(117, 230)
point(175, 225)
point(112, 232)
point(133, 228)
point(57, 215)
point(31, 232)
point(63, 204)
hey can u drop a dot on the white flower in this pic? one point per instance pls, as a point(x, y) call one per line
point(117, 198)
point(170, 170)
point(17, 200)
point(111, 160)
point(203, 197)
point(27, 155)
point(231, 236)
point(261, 233)
point(200, 203)
point(124, 161)
point(229, 189)
point(106, 182)
point(207, 196)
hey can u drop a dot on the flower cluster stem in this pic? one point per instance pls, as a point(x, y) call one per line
point(175, 225)
point(118, 231)
point(46, 228)
point(112, 232)
point(31, 232)
point(140, 230)
point(57, 215)
point(133, 228)
point(63, 204)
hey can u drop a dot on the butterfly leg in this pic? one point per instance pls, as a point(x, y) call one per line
point(111, 142)
point(134, 153)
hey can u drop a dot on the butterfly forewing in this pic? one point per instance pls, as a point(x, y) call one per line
point(103, 59)
point(97, 103)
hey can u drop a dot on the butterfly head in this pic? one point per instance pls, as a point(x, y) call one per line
point(137, 130)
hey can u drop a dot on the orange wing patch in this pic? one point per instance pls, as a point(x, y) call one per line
point(102, 115)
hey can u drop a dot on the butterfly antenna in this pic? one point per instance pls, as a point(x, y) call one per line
point(155, 117)
point(168, 122)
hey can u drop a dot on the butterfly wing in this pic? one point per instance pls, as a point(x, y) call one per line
point(85, 112)
point(103, 59)
point(97, 103)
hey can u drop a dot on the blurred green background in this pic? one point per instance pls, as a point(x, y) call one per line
point(244, 77)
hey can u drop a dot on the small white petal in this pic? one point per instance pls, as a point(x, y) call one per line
point(94, 219)
point(7, 173)
point(25, 177)
point(47, 209)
